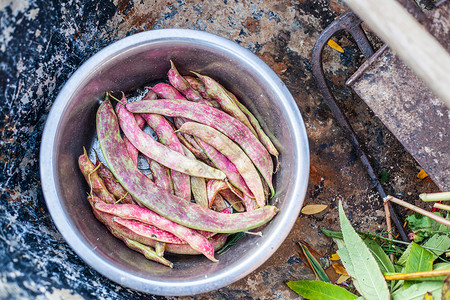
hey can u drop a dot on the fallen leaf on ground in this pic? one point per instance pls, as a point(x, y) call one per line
point(342, 279)
point(338, 268)
point(335, 257)
point(313, 209)
point(422, 174)
point(335, 46)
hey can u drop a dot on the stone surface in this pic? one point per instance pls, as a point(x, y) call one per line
point(43, 42)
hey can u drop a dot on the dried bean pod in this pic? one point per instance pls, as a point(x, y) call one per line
point(94, 181)
point(233, 152)
point(217, 119)
point(162, 154)
point(169, 206)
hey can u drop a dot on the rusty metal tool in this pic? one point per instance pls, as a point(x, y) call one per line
point(351, 23)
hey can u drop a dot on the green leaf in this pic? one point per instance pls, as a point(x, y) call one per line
point(402, 260)
point(317, 268)
point(232, 240)
point(417, 291)
point(444, 228)
point(423, 226)
point(446, 289)
point(419, 260)
point(346, 261)
point(438, 241)
point(332, 234)
point(319, 290)
point(384, 176)
point(441, 266)
point(380, 256)
point(370, 279)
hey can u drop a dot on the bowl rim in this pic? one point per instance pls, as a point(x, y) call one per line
point(79, 245)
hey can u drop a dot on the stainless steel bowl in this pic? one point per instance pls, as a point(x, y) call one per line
point(131, 63)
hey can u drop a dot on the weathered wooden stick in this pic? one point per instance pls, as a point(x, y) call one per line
point(409, 40)
point(418, 210)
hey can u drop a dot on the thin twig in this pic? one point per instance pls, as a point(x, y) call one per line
point(389, 225)
point(416, 275)
point(418, 210)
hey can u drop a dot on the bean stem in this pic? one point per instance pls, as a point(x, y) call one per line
point(443, 196)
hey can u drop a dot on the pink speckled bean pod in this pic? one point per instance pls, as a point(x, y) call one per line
point(142, 214)
point(197, 85)
point(162, 154)
point(265, 140)
point(213, 187)
point(149, 231)
point(94, 181)
point(216, 92)
point(169, 206)
point(160, 175)
point(167, 136)
point(132, 151)
point(248, 202)
point(111, 184)
point(222, 163)
point(217, 119)
point(198, 184)
point(148, 252)
point(233, 152)
point(126, 235)
point(232, 199)
point(179, 83)
point(166, 91)
point(217, 241)
point(150, 95)
point(219, 203)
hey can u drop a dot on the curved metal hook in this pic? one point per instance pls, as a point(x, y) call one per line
point(351, 23)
